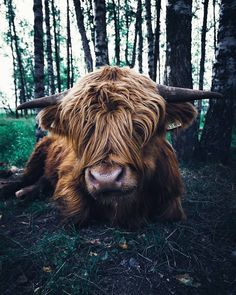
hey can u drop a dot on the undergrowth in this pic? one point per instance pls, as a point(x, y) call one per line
point(17, 140)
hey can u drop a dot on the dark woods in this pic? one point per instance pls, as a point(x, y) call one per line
point(128, 33)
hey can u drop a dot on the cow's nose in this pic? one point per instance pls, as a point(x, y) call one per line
point(105, 179)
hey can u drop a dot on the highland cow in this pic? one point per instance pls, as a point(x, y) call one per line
point(106, 154)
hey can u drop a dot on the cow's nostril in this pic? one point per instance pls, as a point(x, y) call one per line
point(99, 176)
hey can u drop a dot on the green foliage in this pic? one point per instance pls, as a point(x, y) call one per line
point(17, 140)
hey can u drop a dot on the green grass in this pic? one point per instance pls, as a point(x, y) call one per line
point(16, 140)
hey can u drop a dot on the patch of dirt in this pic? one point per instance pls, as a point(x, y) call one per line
point(40, 256)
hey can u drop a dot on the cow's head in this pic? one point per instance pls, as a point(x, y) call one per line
point(116, 121)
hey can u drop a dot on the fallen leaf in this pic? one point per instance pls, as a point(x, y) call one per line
point(187, 280)
point(93, 254)
point(123, 244)
point(95, 242)
point(184, 279)
point(47, 269)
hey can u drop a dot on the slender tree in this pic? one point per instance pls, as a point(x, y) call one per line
point(217, 132)
point(38, 58)
point(51, 78)
point(57, 46)
point(10, 35)
point(18, 61)
point(140, 38)
point(85, 42)
point(101, 43)
point(178, 65)
point(69, 50)
point(136, 32)
point(150, 38)
point(157, 41)
point(202, 60)
point(214, 22)
point(203, 45)
point(89, 5)
point(38, 49)
point(116, 17)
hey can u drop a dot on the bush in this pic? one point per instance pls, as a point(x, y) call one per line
point(17, 140)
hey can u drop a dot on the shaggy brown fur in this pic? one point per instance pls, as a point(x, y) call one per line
point(116, 116)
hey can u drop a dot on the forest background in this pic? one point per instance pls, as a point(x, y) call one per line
point(47, 45)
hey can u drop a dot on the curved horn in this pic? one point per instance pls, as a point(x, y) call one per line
point(43, 102)
point(177, 94)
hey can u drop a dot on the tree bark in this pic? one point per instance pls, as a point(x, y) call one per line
point(91, 19)
point(203, 45)
point(157, 41)
point(202, 60)
point(179, 68)
point(13, 58)
point(38, 58)
point(85, 42)
point(51, 78)
point(18, 53)
point(38, 49)
point(101, 43)
point(140, 38)
point(214, 23)
point(56, 42)
point(116, 15)
point(69, 50)
point(150, 38)
point(217, 132)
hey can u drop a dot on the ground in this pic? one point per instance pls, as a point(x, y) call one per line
point(40, 255)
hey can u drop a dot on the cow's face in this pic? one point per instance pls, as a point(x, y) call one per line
point(115, 120)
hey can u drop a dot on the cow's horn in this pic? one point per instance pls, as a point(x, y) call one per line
point(176, 94)
point(43, 102)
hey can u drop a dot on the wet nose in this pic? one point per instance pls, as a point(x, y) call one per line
point(105, 178)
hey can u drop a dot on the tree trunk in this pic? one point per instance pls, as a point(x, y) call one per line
point(49, 49)
point(85, 42)
point(18, 53)
point(178, 65)
point(91, 19)
point(203, 45)
point(214, 23)
point(150, 38)
point(13, 58)
point(38, 58)
point(128, 21)
point(157, 42)
point(56, 42)
point(101, 45)
point(140, 39)
point(69, 50)
point(116, 15)
point(202, 60)
point(38, 49)
point(217, 132)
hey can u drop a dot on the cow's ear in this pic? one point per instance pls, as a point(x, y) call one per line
point(49, 119)
point(180, 114)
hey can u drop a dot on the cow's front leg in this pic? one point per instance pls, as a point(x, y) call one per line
point(70, 200)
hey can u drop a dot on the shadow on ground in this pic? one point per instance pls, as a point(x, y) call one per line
point(40, 256)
